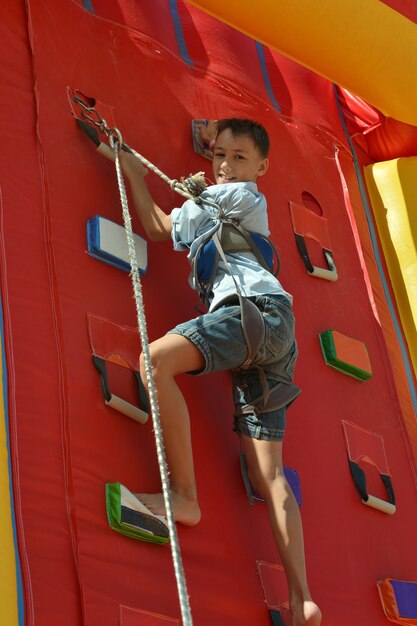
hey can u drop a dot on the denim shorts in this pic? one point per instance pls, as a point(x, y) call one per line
point(219, 337)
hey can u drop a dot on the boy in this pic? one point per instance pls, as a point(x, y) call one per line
point(215, 341)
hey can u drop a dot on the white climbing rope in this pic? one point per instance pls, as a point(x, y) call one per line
point(190, 187)
point(173, 183)
point(115, 141)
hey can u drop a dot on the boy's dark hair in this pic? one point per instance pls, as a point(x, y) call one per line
point(249, 128)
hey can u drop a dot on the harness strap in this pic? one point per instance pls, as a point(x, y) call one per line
point(232, 240)
point(282, 395)
point(253, 328)
point(252, 321)
point(235, 238)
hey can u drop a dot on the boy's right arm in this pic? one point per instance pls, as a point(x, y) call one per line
point(156, 223)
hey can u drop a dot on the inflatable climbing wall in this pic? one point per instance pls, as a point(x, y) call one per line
point(150, 67)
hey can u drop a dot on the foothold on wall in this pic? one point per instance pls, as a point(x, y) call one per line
point(118, 344)
point(345, 354)
point(308, 225)
point(276, 618)
point(291, 475)
point(399, 600)
point(128, 516)
point(200, 147)
point(106, 241)
point(274, 585)
point(81, 108)
point(367, 447)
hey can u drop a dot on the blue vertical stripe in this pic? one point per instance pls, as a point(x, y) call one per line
point(87, 4)
point(179, 33)
point(19, 585)
point(375, 248)
point(265, 75)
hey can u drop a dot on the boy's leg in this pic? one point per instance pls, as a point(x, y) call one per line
point(172, 355)
point(266, 473)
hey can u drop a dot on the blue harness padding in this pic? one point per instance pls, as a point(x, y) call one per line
point(207, 255)
point(232, 238)
point(107, 242)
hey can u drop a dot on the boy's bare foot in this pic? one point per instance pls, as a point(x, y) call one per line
point(305, 613)
point(186, 511)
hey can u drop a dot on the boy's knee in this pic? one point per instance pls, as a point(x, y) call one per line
point(156, 365)
point(142, 368)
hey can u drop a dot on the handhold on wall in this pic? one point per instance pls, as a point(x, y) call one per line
point(347, 355)
point(106, 241)
point(399, 600)
point(367, 447)
point(128, 516)
point(308, 225)
point(118, 344)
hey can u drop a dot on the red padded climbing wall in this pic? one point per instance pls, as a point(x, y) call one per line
point(158, 65)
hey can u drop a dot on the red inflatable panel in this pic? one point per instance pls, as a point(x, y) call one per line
point(66, 444)
point(381, 137)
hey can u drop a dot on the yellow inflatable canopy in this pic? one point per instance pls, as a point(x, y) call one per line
point(362, 45)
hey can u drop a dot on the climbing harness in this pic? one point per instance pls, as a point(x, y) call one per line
point(233, 238)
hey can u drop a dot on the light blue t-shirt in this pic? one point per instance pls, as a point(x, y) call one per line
point(192, 223)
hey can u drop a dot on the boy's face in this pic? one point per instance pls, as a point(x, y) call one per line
point(236, 160)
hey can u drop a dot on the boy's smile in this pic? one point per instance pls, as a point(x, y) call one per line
point(236, 159)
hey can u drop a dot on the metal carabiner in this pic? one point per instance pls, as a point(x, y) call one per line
point(115, 138)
